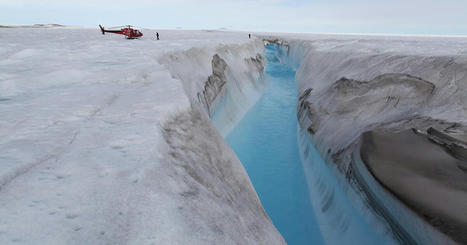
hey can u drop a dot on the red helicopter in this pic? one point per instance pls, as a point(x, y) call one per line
point(128, 31)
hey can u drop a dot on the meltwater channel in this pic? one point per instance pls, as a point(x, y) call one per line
point(304, 200)
point(265, 141)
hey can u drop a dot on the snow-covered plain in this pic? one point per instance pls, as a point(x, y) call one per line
point(102, 143)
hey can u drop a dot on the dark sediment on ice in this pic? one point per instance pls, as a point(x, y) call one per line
point(385, 89)
point(426, 171)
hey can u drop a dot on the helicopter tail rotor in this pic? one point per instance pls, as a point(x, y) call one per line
point(102, 29)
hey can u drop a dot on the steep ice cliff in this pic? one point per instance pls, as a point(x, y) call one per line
point(233, 80)
point(360, 98)
point(233, 84)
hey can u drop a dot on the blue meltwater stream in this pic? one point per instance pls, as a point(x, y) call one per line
point(305, 201)
point(265, 141)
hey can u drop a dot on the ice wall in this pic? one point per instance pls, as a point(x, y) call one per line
point(229, 76)
point(340, 222)
point(221, 83)
point(350, 85)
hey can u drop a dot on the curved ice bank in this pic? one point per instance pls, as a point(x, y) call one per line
point(222, 83)
point(350, 86)
point(338, 220)
point(228, 76)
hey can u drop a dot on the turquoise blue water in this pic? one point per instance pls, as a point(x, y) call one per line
point(265, 141)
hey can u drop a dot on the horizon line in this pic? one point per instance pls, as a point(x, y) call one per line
point(55, 25)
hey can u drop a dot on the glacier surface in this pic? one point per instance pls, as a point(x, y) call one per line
point(109, 141)
point(103, 141)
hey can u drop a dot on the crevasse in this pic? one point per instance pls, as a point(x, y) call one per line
point(263, 149)
point(347, 211)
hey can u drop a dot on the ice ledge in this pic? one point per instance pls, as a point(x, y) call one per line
point(349, 86)
point(223, 81)
point(215, 196)
point(218, 192)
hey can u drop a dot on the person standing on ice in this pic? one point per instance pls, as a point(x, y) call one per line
point(249, 35)
point(157, 35)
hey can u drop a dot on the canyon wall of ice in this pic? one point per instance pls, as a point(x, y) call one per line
point(352, 85)
point(221, 82)
point(228, 76)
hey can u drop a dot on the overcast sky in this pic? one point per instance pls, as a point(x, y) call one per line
point(316, 16)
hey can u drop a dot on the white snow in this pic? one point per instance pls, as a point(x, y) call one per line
point(83, 155)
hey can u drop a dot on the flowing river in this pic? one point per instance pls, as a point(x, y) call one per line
point(265, 141)
point(298, 191)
